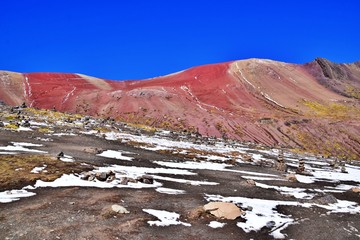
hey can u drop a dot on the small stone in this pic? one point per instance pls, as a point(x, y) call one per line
point(247, 158)
point(146, 179)
point(85, 176)
point(60, 155)
point(119, 209)
point(91, 178)
point(132, 180)
point(291, 178)
point(110, 178)
point(101, 176)
point(26, 123)
point(250, 182)
point(249, 208)
point(124, 181)
point(355, 189)
point(270, 224)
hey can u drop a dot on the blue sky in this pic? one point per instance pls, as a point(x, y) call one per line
point(141, 39)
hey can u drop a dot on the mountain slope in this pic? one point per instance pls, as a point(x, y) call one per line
point(314, 106)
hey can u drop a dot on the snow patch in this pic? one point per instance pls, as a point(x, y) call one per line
point(115, 155)
point(215, 224)
point(165, 218)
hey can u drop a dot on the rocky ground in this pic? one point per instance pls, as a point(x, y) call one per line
point(75, 177)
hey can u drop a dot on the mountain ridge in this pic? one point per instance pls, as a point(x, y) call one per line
point(263, 101)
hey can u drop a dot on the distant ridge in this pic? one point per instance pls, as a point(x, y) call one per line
point(312, 106)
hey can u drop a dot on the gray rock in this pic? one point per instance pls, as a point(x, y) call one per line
point(2, 124)
point(124, 181)
point(326, 199)
point(110, 178)
point(250, 182)
point(91, 177)
point(86, 176)
point(101, 176)
point(25, 123)
point(145, 179)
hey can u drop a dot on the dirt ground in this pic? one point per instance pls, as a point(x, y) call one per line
point(84, 213)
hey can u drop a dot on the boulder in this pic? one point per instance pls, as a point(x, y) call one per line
point(291, 177)
point(326, 199)
point(223, 210)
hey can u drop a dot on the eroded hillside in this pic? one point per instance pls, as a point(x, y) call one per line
point(313, 107)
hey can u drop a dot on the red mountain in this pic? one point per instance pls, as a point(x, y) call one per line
point(314, 106)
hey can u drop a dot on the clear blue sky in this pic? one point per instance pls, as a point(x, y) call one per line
point(127, 39)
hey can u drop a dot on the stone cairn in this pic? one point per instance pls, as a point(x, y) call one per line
point(301, 168)
point(280, 164)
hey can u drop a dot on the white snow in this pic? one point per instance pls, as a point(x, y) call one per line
point(67, 158)
point(20, 147)
point(263, 213)
point(26, 144)
point(305, 179)
point(115, 155)
point(208, 166)
point(68, 95)
point(137, 171)
point(25, 129)
point(296, 192)
point(14, 195)
point(165, 218)
point(8, 153)
point(216, 224)
point(63, 134)
point(169, 191)
point(194, 165)
point(179, 180)
point(263, 178)
point(352, 175)
point(38, 169)
point(34, 123)
point(70, 180)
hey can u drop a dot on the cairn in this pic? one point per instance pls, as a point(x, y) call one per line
point(280, 164)
point(334, 164)
point(342, 166)
point(301, 168)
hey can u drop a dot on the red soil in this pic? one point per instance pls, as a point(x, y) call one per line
point(249, 100)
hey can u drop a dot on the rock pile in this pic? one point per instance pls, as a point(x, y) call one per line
point(110, 176)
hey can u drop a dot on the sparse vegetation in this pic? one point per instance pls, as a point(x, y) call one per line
point(15, 170)
point(333, 110)
point(11, 126)
point(353, 92)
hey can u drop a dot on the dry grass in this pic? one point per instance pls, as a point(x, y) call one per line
point(15, 170)
point(333, 110)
